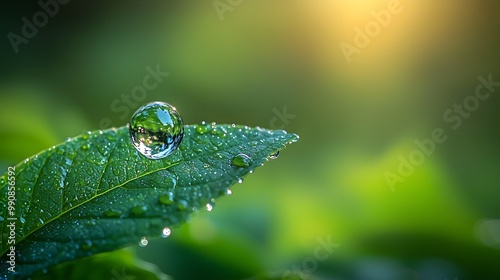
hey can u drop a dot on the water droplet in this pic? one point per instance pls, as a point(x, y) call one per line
point(87, 245)
point(240, 180)
point(85, 136)
point(166, 199)
point(274, 155)
point(143, 242)
point(41, 221)
point(1, 219)
point(138, 210)
point(241, 160)
point(156, 130)
point(85, 147)
point(202, 128)
point(228, 192)
point(182, 205)
point(210, 206)
point(22, 220)
point(166, 232)
point(112, 213)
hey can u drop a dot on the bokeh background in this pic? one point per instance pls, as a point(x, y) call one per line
point(279, 64)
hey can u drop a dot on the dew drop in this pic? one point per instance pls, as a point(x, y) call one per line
point(166, 199)
point(228, 192)
point(87, 245)
point(41, 221)
point(240, 180)
point(202, 128)
point(110, 213)
point(241, 160)
point(182, 205)
point(138, 210)
point(22, 220)
point(85, 136)
point(210, 206)
point(143, 242)
point(274, 155)
point(166, 232)
point(156, 130)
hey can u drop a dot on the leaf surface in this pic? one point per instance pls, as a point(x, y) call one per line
point(95, 193)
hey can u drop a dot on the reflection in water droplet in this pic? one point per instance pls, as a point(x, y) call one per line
point(166, 232)
point(156, 130)
point(229, 192)
point(274, 155)
point(241, 160)
point(240, 180)
point(143, 242)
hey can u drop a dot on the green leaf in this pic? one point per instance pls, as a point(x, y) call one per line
point(96, 193)
point(116, 265)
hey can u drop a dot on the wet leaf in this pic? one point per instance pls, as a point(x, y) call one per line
point(96, 193)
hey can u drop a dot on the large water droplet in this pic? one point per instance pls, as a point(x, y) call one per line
point(166, 232)
point(156, 130)
point(241, 160)
point(143, 242)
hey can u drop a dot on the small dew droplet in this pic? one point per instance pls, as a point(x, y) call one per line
point(143, 242)
point(182, 205)
point(138, 210)
point(210, 206)
point(228, 192)
point(166, 232)
point(274, 155)
point(240, 180)
point(156, 130)
point(110, 213)
point(241, 160)
point(166, 199)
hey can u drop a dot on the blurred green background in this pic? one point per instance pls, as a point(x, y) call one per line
point(279, 64)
